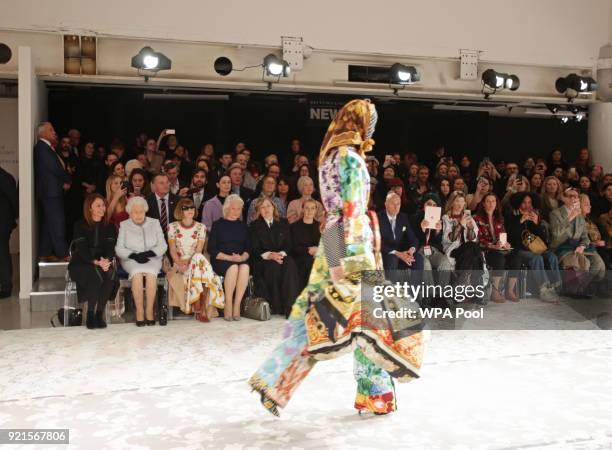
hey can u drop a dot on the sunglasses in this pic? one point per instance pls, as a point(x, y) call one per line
point(187, 208)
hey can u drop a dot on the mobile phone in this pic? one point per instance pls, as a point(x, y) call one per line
point(467, 213)
point(171, 131)
point(125, 185)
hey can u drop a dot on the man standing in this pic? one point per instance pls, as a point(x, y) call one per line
point(9, 205)
point(198, 194)
point(161, 201)
point(52, 181)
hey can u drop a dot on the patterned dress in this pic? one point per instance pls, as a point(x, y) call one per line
point(344, 193)
point(186, 288)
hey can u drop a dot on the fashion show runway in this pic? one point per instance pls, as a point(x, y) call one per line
point(184, 386)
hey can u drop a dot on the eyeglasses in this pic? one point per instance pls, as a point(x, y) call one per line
point(186, 208)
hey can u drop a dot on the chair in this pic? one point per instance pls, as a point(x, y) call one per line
point(125, 282)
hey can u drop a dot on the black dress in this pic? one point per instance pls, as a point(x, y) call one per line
point(226, 236)
point(277, 283)
point(91, 243)
point(304, 235)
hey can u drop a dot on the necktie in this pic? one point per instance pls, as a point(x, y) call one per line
point(163, 215)
point(393, 227)
point(197, 199)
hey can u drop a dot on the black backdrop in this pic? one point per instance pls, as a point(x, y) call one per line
point(267, 123)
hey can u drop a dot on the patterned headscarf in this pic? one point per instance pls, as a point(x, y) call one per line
point(353, 125)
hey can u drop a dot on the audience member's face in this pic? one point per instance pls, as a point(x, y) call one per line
point(458, 205)
point(198, 180)
point(224, 185)
point(242, 160)
point(536, 180)
point(161, 185)
point(138, 182)
point(226, 160)
point(269, 186)
point(119, 170)
point(307, 188)
point(180, 152)
point(584, 154)
point(138, 214)
point(274, 171)
point(101, 152)
point(399, 190)
point(608, 193)
point(75, 138)
point(283, 187)
point(607, 179)
point(48, 132)
point(445, 187)
point(301, 160)
point(142, 159)
point(551, 186)
point(295, 146)
point(397, 158)
point(490, 203)
point(270, 159)
point(423, 175)
point(310, 209)
point(304, 172)
point(172, 141)
point(526, 204)
point(172, 174)
point(209, 150)
point(115, 184)
point(571, 198)
point(234, 210)
point(239, 147)
point(65, 144)
point(458, 184)
point(585, 183)
point(540, 168)
point(529, 164)
point(89, 150)
point(388, 173)
point(429, 202)
point(442, 170)
point(202, 164)
point(484, 185)
point(511, 169)
point(266, 210)
point(596, 171)
point(247, 155)
point(188, 214)
point(97, 209)
point(392, 205)
point(236, 176)
point(558, 172)
point(151, 145)
point(414, 169)
point(585, 205)
point(556, 156)
point(465, 162)
point(453, 172)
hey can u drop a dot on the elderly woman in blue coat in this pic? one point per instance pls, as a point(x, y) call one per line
point(141, 247)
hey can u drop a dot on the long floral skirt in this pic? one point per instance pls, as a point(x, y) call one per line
point(291, 361)
point(185, 289)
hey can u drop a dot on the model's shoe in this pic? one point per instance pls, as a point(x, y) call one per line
point(163, 316)
point(91, 320)
point(100, 323)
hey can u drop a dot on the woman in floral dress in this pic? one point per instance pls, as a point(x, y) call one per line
point(326, 319)
point(194, 287)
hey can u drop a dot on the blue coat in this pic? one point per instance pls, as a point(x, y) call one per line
point(49, 173)
point(404, 236)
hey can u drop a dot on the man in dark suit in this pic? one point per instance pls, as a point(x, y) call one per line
point(197, 192)
point(9, 205)
point(235, 173)
point(52, 181)
point(398, 241)
point(161, 201)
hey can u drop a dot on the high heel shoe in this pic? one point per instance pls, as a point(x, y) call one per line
point(227, 318)
point(141, 323)
point(150, 322)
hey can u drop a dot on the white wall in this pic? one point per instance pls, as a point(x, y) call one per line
point(548, 32)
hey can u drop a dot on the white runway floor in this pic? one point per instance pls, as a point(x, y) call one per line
point(184, 386)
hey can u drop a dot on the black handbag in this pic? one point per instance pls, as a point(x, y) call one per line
point(74, 316)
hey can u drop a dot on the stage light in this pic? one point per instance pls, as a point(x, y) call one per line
point(573, 85)
point(275, 66)
point(495, 81)
point(553, 108)
point(150, 62)
point(579, 116)
point(564, 119)
point(401, 74)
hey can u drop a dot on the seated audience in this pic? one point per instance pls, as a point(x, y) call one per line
point(305, 237)
point(161, 201)
point(91, 265)
point(116, 198)
point(305, 187)
point(484, 186)
point(268, 190)
point(117, 169)
point(595, 232)
point(516, 183)
point(138, 186)
point(193, 285)
point(274, 271)
point(570, 241)
point(398, 243)
point(544, 267)
point(213, 208)
point(140, 247)
point(460, 235)
point(197, 192)
point(490, 226)
point(550, 196)
point(228, 247)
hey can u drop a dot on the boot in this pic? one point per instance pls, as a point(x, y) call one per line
point(100, 323)
point(91, 320)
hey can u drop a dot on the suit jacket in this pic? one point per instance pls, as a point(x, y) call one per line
point(154, 208)
point(274, 239)
point(561, 229)
point(9, 201)
point(245, 194)
point(404, 236)
point(50, 175)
